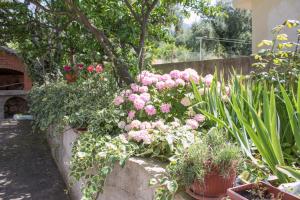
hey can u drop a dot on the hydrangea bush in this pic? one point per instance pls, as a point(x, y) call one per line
point(157, 102)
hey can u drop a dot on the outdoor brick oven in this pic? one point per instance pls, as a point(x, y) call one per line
point(14, 84)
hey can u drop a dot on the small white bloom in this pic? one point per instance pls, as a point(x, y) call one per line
point(185, 101)
point(102, 154)
point(81, 154)
point(121, 124)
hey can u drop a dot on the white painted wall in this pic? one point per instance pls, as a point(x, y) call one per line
point(266, 14)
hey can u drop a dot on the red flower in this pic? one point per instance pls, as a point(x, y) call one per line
point(90, 68)
point(67, 68)
point(80, 66)
point(99, 68)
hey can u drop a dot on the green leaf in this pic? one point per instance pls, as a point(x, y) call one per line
point(172, 186)
point(291, 172)
point(153, 182)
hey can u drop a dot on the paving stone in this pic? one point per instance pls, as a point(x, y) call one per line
point(27, 170)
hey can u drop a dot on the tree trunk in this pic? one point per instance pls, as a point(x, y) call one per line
point(120, 66)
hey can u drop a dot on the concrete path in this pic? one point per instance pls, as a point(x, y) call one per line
point(27, 170)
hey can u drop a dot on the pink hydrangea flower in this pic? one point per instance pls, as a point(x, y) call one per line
point(131, 114)
point(133, 97)
point(199, 118)
point(154, 79)
point(145, 96)
point(165, 77)
point(150, 110)
point(139, 104)
point(118, 100)
point(128, 92)
point(175, 74)
point(158, 124)
point(165, 107)
point(192, 123)
point(134, 87)
point(146, 80)
point(185, 101)
point(134, 135)
point(139, 78)
point(146, 137)
point(135, 124)
point(185, 76)
point(170, 83)
point(145, 125)
point(208, 79)
point(143, 89)
point(179, 81)
point(160, 85)
point(141, 135)
point(189, 73)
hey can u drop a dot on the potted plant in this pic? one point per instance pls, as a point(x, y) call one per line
point(259, 190)
point(70, 74)
point(208, 168)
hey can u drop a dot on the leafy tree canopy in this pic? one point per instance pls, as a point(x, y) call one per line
point(49, 33)
point(233, 24)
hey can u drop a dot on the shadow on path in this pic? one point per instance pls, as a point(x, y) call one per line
point(27, 170)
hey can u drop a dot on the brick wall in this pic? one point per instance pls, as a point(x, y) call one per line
point(10, 81)
point(13, 62)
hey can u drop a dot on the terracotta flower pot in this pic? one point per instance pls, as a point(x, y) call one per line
point(213, 187)
point(238, 193)
point(71, 78)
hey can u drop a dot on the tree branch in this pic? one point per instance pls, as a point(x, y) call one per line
point(135, 15)
point(105, 43)
point(144, 30)
point(37, 4)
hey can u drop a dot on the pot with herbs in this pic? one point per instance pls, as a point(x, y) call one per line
point(208, 167)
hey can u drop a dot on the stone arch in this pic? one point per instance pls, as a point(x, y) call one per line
point(14, 105)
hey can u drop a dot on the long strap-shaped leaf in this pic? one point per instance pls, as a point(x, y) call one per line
point(261, 136)
point(293, 113)
point(291, 172)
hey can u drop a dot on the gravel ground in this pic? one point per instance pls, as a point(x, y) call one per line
point(27, 170)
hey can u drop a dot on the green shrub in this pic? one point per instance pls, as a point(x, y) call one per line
point(58, 103)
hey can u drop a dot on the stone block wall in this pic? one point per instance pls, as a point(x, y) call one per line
point(241, 65)
point(128, 183)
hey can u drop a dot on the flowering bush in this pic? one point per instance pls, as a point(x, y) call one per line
point(155, 115)
point(156, 100)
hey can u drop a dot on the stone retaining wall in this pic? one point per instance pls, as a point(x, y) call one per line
point(128, 183)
